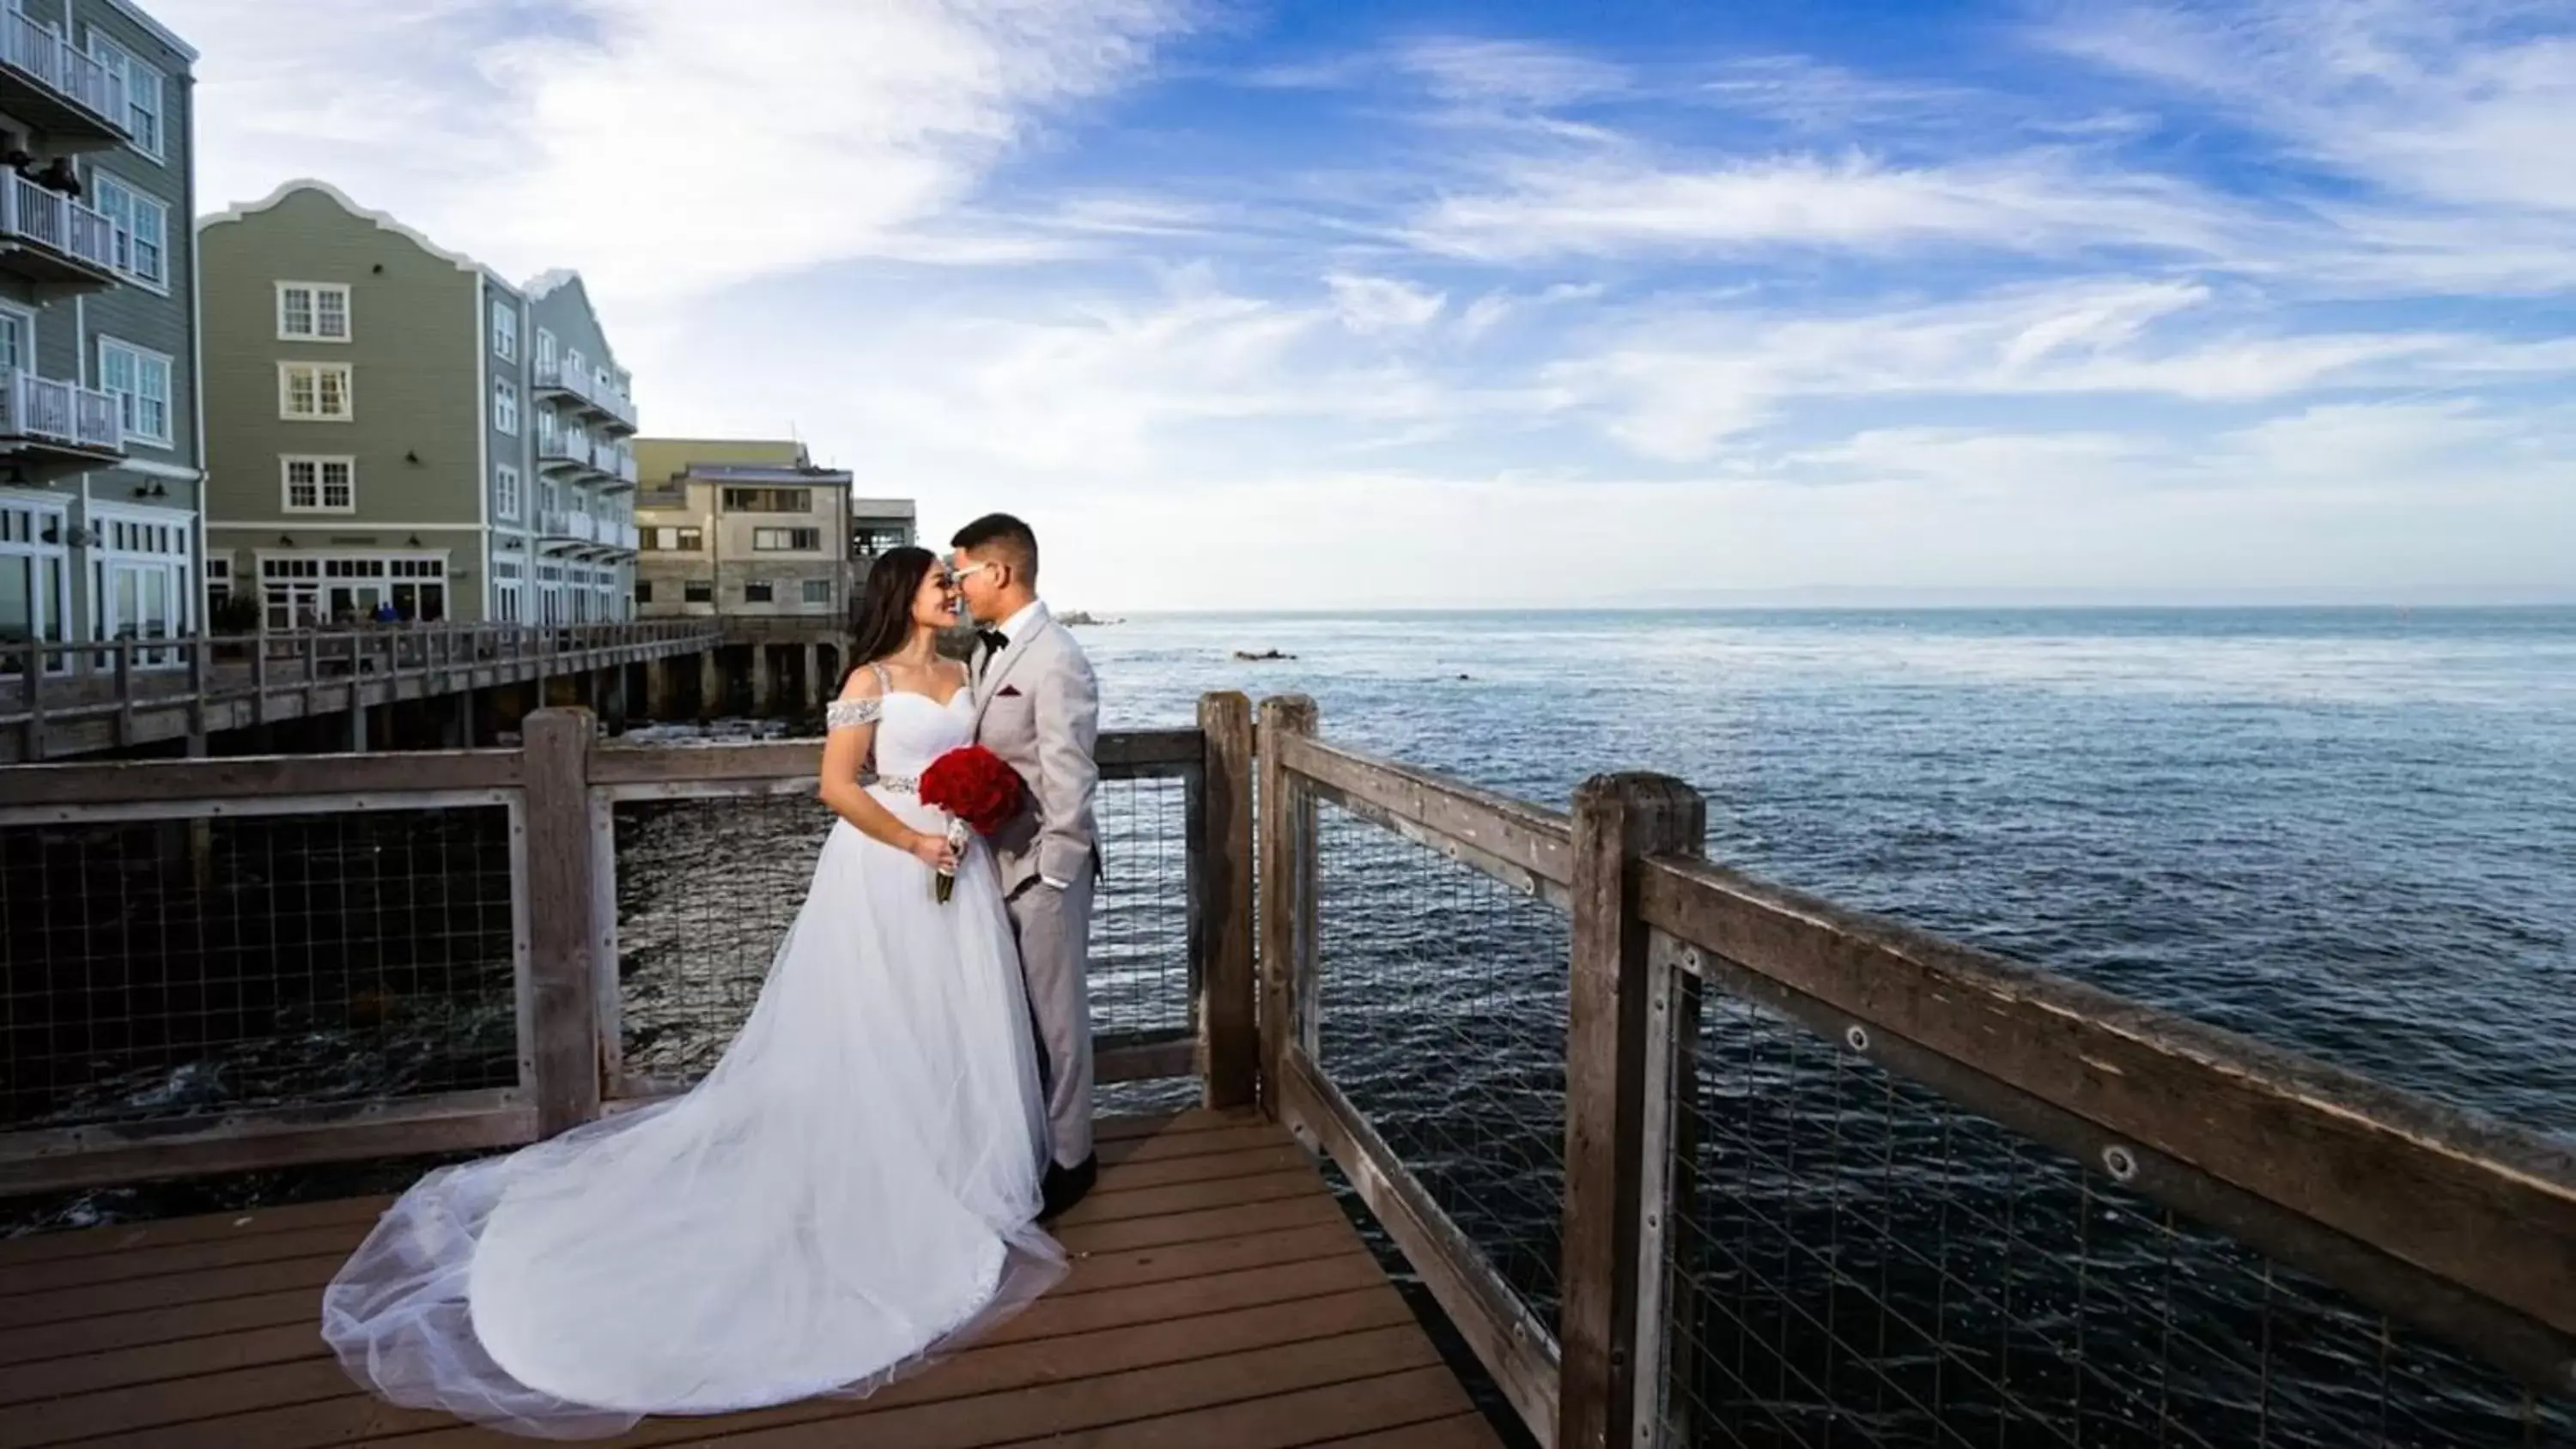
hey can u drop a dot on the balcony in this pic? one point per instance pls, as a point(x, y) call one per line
point(614, 466)
point(71, 427)
point(572, 384)
point(50, 85)
point(48, 237)
point(571, 531)
point(565, 530)
point(563, 451)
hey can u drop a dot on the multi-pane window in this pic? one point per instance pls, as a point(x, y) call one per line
point(505, 406)
point(140, 383)
point(786, 540)
point(505, 329)
point(698, 591)
point(143, 94)
point(818, 591)
point(321, 485)
point(314, 391)
point(312, 312)
point(505, 492)
point(757, 591)
point(139, 231)
point(768, 500)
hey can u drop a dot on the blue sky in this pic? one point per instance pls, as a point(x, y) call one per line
point(1255, 305)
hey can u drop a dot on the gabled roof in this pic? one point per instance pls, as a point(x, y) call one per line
point(383, 221)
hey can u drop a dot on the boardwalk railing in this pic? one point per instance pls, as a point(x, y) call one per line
point(1685, 1158)
point(59, 697)
point(1797, 1176)
point(223, 965)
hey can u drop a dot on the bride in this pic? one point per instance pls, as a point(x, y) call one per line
point(850, 1191)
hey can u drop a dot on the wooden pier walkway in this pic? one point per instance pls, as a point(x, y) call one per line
point(1219, 1297)
point(59, 700)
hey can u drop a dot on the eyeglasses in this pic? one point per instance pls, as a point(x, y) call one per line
point(959, 576)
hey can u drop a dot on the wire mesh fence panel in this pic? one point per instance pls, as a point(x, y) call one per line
point(1440, 1003)
point(707, 888)
point(162, 969)
point(1864, 1263)
point(1140, 915)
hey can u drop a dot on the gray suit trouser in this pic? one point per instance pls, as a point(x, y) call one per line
point(1054, 927)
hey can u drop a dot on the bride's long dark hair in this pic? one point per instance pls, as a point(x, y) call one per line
point(881, 621)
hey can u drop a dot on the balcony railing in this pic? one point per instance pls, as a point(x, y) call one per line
point(568, 446)
point(584, 388)
point(60, 224)
point(34, 51)
point(45, 410)
point(566, 524)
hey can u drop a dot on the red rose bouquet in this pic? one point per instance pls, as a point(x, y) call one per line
point(976, 791)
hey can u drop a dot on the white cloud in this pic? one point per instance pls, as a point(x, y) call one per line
point(2455, 118)
point(1382, 304)
point(662, 146)
point(2034, 202)
point(1680, 388)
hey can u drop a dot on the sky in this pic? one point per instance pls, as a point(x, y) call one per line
point(1265, 305)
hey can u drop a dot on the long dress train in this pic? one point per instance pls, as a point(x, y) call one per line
point(852, 1189)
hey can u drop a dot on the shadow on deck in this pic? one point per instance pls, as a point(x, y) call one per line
point(1219, 1296)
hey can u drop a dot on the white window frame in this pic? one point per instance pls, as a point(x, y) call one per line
point(126, 224)
point(508, 497)
point(25, 317)
point(505, 329)
point(313, 303)
point(141, 79)
point(321, 486)
point(142, 358)
point(348, 392)
point(505, 406)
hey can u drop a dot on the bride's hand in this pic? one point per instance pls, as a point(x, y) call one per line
point(932, 850)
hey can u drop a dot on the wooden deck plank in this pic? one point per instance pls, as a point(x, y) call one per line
point(157, 1259)
point(84, 1242)
point(1120, 1139)
point(1460, 1431)
point(1288, 1421)
point(109, 1333)
point(1217, 1295)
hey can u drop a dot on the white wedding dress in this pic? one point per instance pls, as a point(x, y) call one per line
point(850, 1191)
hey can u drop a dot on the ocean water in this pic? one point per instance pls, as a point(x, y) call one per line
point(2349, 832)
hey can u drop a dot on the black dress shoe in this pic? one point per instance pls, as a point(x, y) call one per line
point(1064, 1186)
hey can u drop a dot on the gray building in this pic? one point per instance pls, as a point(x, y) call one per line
point(391, 423)
point(100, 446)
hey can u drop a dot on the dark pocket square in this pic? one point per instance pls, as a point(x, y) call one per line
point(1009, 691)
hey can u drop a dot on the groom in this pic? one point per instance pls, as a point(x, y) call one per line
point(1038, 707)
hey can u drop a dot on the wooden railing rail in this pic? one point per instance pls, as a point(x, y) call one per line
point(559, 791)
point(49, 687)
point(2436, 1217)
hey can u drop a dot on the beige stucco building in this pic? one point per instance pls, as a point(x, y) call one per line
point(752, 530)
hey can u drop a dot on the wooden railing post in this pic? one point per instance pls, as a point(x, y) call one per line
point(1287, 890)
point(1221, 871)
point(563, 932)
point(1611, 1128)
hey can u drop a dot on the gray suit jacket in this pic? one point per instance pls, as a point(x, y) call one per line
point(1037, 705)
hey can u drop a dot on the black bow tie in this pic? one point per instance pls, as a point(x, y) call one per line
point(994, 641)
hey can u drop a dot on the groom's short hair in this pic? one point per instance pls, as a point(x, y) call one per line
point(1000, 533)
